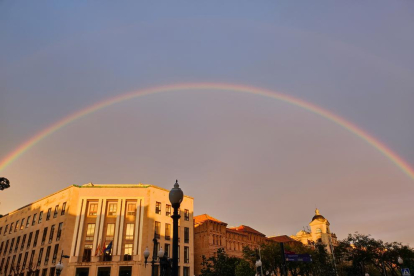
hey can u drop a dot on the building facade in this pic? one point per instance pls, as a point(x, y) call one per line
point(319, 232)
point(104, 229)
point(210, 234)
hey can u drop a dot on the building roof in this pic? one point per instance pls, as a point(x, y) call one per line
point(318, 216)
point(282, 238)
point(236, 232)
point(204, 217)
point(245, 228)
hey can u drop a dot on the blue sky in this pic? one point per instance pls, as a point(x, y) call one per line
point(352, 58)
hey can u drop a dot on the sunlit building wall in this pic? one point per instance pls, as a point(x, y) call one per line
point(122, 219)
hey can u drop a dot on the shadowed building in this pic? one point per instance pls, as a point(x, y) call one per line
point(319, 232)
point(211, 234)
point(104, 229)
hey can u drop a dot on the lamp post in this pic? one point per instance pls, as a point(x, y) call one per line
point(164, 262)
point(400, 262)
point(59, 266)
point(4, 183)
point(176, 197)
point(259, 267)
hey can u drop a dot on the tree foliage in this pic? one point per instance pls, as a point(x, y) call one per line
point(354, 256)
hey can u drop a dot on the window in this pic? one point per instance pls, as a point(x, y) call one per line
point(128, 252)
point(110, 229)
point(5, 248)
point(39, 259)
point(17, 244)
point(131, 208)
point(55, 252)
point(11, 246)
point(167, 249)
point(125, 271)
point(59, 231)
point(87, 253)
point(158, 208)
point(168, 210)
point(93, 209)
point(82, 271)
point(44, 272)
point(52, 271)
point(104, 271)
point(31, 258)
point(63, 209)
point(17, 226)
point(167, 231)
point(25, 259)
point(29, 240)
point(11, 227)
point(49, 211)
point(186, 234)
point(90, 231)
point(40, 217)
point(23, 242)
point(19, 259)
point(5, 229)
point(186, 271)
point(52, 230)
point(34, 219)
point(186, 214)
point(157, 229)
point(44, 235)
point(47, 254)
point(7, 265)
point(56, 211)
point(129, 231)
point(1, 265)
point(22, 225)
point(1, 246)
point(179, 253)
point(112, 209)
point(35, 238)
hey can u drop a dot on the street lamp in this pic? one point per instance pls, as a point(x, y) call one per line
point(176, 197)
point(400, 260)
point(258, 267)
point(164, 262)
point(366, 274)
point(4, 183)
point(59, 266)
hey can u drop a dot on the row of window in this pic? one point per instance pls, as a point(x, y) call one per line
point(112, 209)
point(129, 231)
point(168, 232)
point(22, 225)
point(168, 211)
point(23, 240)
point(31, 266)
point(123, 271)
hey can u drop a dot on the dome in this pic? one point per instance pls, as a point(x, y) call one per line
point(318, 215)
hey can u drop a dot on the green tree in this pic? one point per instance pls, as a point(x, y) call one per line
point(219, 265)
point(244, 268)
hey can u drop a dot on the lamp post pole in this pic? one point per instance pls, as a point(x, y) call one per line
point(176, 197)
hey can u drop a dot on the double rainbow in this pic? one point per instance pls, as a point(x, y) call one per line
point(398, 161)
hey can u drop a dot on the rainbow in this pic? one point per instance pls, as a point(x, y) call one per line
point(398, 161)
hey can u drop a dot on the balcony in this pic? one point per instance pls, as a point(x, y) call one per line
point(167, 238)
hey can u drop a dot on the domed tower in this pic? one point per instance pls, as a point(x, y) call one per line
point(320, 231)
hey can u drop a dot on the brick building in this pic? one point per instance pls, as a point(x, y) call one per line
point(211, 234)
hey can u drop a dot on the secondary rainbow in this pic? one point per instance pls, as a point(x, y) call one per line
point(398, 161)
